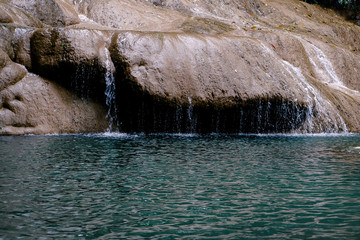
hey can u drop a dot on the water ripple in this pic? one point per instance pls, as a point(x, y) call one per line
point(179, 187)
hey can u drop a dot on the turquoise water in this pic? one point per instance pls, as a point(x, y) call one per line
point(180, 187)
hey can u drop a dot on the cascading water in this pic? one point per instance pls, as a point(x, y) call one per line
point(80, 83)
point(324, 68)
point(304, 109)
point(328, 118)
point(178, 118)
point(153, 114)
point(325, 72)
point(110, 94)
point(321, 116)
point(190, 116)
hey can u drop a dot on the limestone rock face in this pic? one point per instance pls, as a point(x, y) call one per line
point(11, 14)
point(130, 15)
point(250, 69)
point(50, 12)
point(30, 104)
point(75, 58)
point(10, 73)
point(247, 67)
point(177, 66)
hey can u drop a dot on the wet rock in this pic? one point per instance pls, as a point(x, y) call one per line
point(73, 58)
point(155, 86)
point(221, 74)
point(30, 104)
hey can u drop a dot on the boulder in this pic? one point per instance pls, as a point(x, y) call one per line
point(10, 73)
point(75, 58)
point(218, 76)
point(30, 104)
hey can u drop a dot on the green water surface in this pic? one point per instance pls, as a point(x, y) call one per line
point(179, 187)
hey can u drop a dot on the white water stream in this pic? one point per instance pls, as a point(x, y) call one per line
point(110, 94)
point(322, 115)
point(190, 116)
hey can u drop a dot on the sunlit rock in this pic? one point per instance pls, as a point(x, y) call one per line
point(50, 12)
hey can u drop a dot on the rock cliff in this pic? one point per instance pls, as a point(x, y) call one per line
point(228, 66)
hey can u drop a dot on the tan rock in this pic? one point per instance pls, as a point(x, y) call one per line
point(50, 12)
point(21, 46)
point(223, 71)
point(13, 15)
point(205, 66)
point(10, 73)
point(75, 58)
point(30, 104)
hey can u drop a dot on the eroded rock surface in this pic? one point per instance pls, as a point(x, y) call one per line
point(50, 12)
point(177, 66)
point(30, 104)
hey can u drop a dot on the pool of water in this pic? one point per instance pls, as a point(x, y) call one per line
point(118, 186)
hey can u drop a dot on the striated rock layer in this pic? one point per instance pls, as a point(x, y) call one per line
point(264, 66)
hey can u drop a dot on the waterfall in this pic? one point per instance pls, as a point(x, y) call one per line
point(322, 115)
point(324, 68)
point(190, 115)
point(303, 108)
point(178, 118)
point(110, 94)
point(319, 108)
point(325, 72)
point(80, 83)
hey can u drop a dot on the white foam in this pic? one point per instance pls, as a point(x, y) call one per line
point(298, 134)
point(115, 135)
point(180, 135)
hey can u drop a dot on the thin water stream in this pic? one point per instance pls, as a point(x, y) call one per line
point(110, 93)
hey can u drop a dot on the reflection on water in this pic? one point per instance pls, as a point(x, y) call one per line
point(184, 187)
